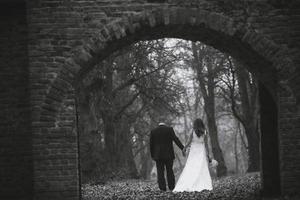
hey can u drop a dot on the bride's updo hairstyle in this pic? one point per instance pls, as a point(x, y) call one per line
point(199, 127)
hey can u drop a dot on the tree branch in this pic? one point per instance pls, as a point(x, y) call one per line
point(129, 103)
point(135, 79)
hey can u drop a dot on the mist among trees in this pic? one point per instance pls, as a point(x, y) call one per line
point(124, 97)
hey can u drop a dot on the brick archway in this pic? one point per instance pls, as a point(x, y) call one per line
point(263, 57)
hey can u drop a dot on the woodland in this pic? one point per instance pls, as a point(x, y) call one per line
point(127, 95)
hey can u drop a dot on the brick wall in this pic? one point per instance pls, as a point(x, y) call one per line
point(70, 38)
point(15, 130)
point(289, 129)
point(56, 154)
point(67, 38)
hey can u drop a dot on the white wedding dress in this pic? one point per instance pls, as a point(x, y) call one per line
point(195, 175)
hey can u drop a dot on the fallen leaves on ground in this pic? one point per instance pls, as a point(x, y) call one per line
point(246, 187)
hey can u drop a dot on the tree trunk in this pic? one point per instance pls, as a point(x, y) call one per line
point(216, 149)
point(146, 164)
point(236, 154)
point(253, 149)
point(126, 160)
point(250, 110)
point(110, 141)
point(244, 150)
point(107, 114)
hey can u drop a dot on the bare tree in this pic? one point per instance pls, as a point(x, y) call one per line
point(122, 89)
point(240, 89)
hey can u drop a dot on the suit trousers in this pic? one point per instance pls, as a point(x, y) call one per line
point(161, 165)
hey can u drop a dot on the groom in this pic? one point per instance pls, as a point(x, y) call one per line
point(161, 148)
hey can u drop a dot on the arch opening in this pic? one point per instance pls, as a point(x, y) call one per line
point(232, 45)
point(268, 186)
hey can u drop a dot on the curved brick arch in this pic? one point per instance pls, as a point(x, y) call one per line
point(262, 56)
point(217, 30)
point(211, 28)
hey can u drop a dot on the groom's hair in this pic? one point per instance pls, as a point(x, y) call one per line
point(199, 127)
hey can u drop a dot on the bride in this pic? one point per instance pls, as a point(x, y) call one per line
point(195, 175)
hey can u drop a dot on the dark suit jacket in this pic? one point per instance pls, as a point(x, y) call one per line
point(161, 143)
